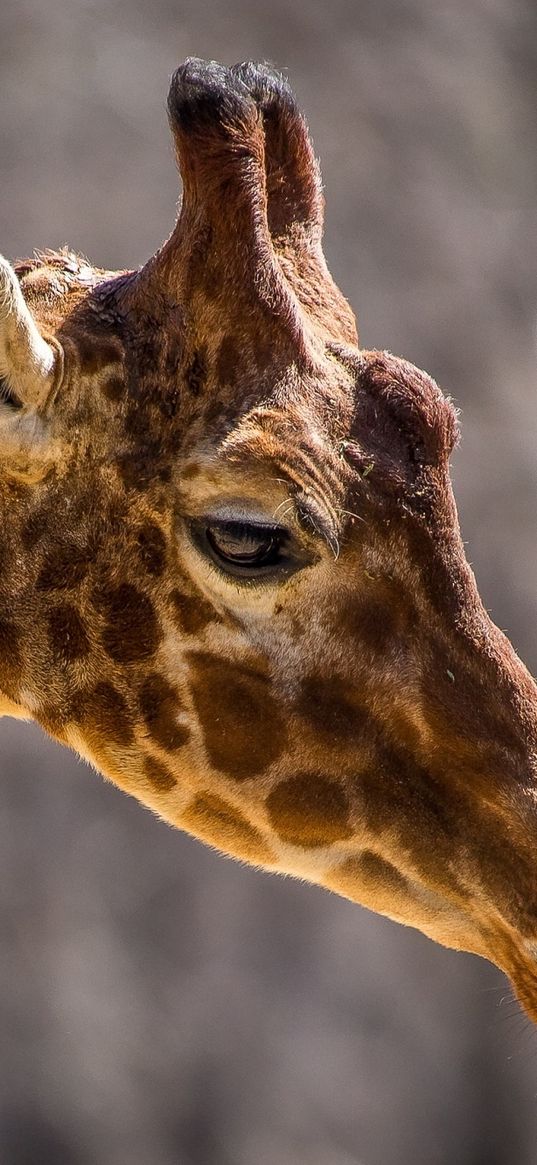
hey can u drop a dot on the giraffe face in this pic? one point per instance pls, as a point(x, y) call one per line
point(232, 576)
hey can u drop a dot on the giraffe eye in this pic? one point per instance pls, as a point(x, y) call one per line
point(243, 549)
point(246, 544)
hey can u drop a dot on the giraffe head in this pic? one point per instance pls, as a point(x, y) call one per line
point(231, 570)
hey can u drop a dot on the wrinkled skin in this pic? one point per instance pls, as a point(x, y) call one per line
point(232, 575)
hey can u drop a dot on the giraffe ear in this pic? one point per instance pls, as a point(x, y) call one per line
point(293, 176)
point(29, 364)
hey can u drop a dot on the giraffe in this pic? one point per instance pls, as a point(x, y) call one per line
point(232, 576)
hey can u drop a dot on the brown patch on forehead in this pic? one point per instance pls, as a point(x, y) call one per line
point(192, 612)
point(132, 632)
point(67, 633)
point(219, 823)
point(64, 567)
point(243, 728)
point(159, 776)
point(103, 713)
point(227, 360)
point(152, 548)
point(159, 704)
point(10, 658)
point(309, 810)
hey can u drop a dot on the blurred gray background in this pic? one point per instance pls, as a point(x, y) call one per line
point(160, 1005)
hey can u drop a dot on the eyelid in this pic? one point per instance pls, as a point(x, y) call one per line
point(234, 512)
point(246, 524)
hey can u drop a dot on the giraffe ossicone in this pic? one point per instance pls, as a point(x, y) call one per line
point(231, 574)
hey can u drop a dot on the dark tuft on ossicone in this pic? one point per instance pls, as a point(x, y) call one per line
point(268, 87)
point(205, 95)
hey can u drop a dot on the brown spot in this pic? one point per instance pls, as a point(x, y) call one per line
point(332, 711)
point(366, 875)
point(190, 472)
point(375, 621)
point(113, 388)
point(152, 547)
point(132, 630)
point(396, 790)
point(159, 704)
point(96, 351)
point(103, 713)
point(219, 823)
point(145, 347)
point(227, 360)
point(309, 810)
point(141, 468)
point(161, 779)
point(192, 612)
point(196, 372)
point(378, 872)
point(10, 659)
point(243, 727)
point(67, 633)
point(172, 362)
point(142, 420)
point(64, 566)
point(133, 474)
